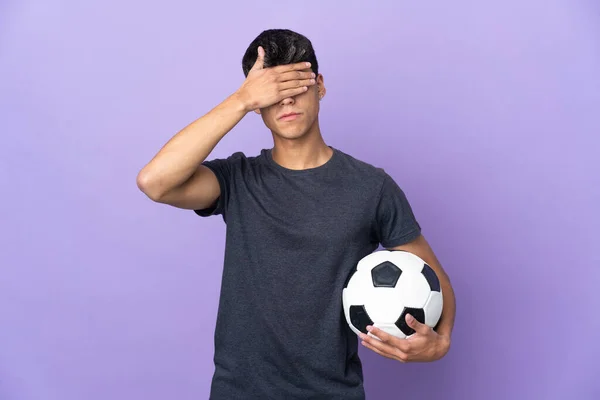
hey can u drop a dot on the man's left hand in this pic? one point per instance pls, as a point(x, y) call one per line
point(424, 345)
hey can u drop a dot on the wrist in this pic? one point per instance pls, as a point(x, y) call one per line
point(241, 102)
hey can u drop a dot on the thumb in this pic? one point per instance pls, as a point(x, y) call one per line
point(260, 59)
point(416, 325)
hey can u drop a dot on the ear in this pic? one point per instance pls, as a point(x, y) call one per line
point(321, 90)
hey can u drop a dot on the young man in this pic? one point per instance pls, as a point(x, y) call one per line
point(299, 217)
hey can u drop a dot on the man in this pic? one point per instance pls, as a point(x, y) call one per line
point(299, 217)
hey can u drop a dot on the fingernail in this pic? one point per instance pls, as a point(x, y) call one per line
point(308, 64)
point(409, 318)
point(369, 328)
point(313, 75)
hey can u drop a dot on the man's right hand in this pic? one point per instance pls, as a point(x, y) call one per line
point(264, 87)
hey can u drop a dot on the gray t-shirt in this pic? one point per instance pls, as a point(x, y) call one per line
point(293, 238)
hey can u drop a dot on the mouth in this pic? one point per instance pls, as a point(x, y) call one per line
point(289, 116)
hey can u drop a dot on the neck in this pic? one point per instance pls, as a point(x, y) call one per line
point(309, 151)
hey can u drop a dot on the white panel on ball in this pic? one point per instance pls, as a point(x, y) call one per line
point(412, 288)
point(384, 304)
point(408, 261)
point(433, 309)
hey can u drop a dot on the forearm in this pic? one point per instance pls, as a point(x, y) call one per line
point(180, 157)
point(446, 322)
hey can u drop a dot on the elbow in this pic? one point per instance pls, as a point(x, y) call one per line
point(148, 183)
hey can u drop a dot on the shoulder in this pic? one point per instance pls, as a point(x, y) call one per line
point(234, 160)
point(362, 169)
point(369, 177)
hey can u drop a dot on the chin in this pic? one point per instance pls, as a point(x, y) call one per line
point(291, 134)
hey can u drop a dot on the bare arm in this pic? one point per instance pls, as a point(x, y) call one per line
point(176, 175)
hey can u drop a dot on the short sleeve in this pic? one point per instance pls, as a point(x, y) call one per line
point(395, 222)
point(223, 170)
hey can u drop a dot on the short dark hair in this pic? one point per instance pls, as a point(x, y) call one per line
point(282, 46)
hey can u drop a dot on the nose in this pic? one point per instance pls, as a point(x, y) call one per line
point(287, 101)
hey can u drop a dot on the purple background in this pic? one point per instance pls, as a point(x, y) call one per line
point(486, 113)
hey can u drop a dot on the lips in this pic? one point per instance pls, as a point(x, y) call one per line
point(289, 115)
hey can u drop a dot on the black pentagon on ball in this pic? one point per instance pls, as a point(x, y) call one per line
point(417, 313)
point(432, 278)
point(360, 318)
point(385, 274)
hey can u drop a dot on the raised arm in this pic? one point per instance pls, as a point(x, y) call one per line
point(176, 175)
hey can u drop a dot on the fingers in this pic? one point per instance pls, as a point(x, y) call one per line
point(296, 84)
point(260, 59)
point(400, 344)
point(384, 346)
point(292, 67)
point(284, 94)
point(296, 80)
point(416, 325)
point(295, 75)
point(399, 357)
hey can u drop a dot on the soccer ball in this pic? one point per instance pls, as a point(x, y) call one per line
point(387, 285)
